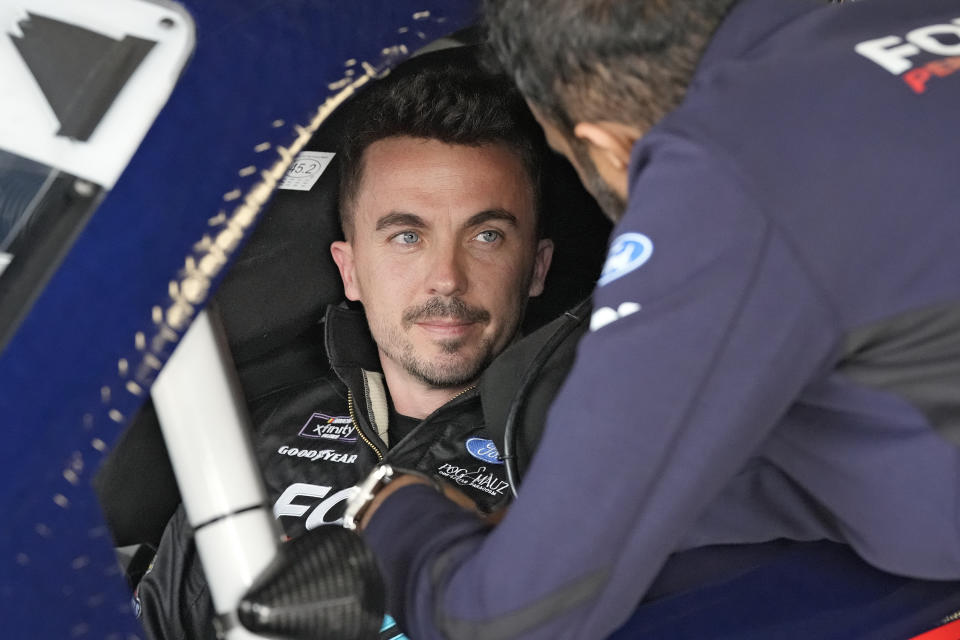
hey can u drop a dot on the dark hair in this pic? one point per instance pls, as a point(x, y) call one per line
point(622, 60)
point(445, 96)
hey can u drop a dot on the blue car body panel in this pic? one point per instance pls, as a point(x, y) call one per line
point(78, 367)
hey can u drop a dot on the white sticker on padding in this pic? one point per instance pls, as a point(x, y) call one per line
point(306, 169)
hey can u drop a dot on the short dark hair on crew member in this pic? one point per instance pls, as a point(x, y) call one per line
point(626, 61)
point(446, 96)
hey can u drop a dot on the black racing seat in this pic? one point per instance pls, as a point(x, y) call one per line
point(272, 300)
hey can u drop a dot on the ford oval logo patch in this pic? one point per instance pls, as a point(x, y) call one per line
point(628, 252)
point(485, 450)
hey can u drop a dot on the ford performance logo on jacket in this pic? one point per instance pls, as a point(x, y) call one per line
point(483, 449)
point(627, 252)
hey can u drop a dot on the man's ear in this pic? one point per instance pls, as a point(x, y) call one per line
point(342, 253)
point(541, 264)
point(611, 141)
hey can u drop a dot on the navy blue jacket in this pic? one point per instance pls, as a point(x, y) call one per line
point(775, 346)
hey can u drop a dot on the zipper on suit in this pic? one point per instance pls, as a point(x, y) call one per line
point(356, 426)
point(369, 443)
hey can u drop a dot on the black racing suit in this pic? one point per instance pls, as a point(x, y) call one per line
point(314, 442)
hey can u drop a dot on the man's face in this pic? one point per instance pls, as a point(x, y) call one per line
point(443, 255)
point(612, 203)
point(596, 178)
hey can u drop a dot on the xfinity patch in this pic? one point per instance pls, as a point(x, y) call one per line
point(483, 449)
point(324, 427)
point(628, 252)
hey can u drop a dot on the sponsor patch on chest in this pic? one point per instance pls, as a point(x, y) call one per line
point(334, 428)
point(483, 449)
point(318, 455)
point(300, 498)
point(479, 478)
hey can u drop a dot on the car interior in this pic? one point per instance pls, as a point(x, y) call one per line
point(271, 305)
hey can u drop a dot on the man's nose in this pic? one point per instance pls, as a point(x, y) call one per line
point(447, 276)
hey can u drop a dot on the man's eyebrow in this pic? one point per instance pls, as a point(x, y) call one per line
point(397, 219)
point(491, 214)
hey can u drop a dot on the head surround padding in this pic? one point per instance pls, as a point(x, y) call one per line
point(272, 301)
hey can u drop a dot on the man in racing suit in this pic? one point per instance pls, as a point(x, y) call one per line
point(439, 198)
point(774, 356)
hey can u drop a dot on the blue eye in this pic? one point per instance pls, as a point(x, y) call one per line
point(407, 237)
point(488, 236)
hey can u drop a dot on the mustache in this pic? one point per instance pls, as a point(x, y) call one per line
point(445, 308)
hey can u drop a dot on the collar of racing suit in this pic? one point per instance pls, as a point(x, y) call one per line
point(347, 340)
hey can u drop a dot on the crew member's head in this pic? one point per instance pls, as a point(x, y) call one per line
point(439, 206)
point(599, 73)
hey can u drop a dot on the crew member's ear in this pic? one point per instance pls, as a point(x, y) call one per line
point(541, 264)
point(609, 142)
point(342, 253)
